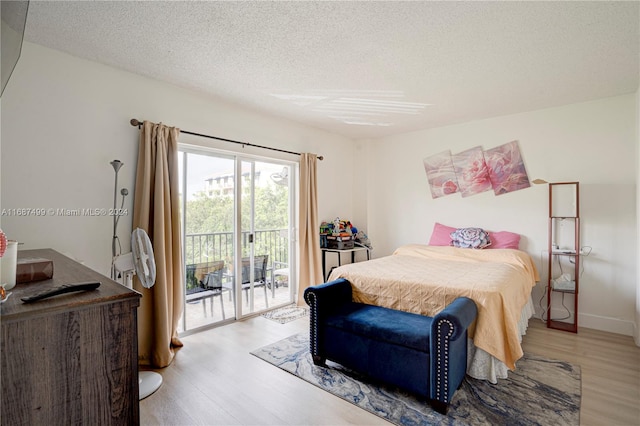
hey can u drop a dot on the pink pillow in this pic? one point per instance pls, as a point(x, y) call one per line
point(441, 235)
point(504, 239)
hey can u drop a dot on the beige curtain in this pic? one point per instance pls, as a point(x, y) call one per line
point(309, 231)
point(156, 209)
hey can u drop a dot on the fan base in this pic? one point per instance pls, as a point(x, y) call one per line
point(149, 382)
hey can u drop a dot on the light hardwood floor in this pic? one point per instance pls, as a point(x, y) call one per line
point(215, 381)
point(610, 366)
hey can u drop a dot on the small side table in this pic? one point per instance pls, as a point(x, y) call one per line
point(340, 252)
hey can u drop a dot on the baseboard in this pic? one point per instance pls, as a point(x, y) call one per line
point(610, 325)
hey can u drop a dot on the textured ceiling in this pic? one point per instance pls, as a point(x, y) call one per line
point(362, 69)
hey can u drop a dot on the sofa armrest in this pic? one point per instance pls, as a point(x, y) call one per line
point(460, 314)
point(448, 347)
point(323, 300)
point(330, 295)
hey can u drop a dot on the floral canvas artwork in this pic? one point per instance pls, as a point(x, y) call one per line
point(440, 174)
point(506, 168)
point(474, 171)
point(471, 172)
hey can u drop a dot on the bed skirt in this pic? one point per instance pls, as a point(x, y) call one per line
point(481, 365)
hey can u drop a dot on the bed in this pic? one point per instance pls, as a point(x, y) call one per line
point(424, 279)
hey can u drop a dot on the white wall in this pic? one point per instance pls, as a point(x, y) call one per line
point(64, 119)
point(593, 143)
point(636, 334)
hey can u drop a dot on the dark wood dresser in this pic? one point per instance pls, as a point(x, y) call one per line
point(70, 359)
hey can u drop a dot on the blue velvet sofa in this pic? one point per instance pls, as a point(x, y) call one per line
point(423, 355)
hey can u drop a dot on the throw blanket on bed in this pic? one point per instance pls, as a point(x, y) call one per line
point(424, 279)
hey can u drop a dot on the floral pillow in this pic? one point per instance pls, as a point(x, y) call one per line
point(475, 238)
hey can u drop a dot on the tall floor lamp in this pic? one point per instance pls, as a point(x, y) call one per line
point(116, 164)
point(148, 381)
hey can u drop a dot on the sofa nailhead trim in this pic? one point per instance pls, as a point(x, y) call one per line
point(312, 301)
point(439, 340)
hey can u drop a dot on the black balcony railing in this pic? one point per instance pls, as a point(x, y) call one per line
point(205, 248)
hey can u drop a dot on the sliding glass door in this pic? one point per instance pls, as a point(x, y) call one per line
point(264, 235)
point(237, 222)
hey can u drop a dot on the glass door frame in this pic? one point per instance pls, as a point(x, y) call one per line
point(238, 231)
point(239, 159)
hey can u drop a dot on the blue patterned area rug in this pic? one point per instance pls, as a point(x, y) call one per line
point(540, 392)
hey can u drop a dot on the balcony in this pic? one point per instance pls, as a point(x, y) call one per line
point(217, 249)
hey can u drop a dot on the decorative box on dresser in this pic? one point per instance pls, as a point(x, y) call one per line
point(71, 358)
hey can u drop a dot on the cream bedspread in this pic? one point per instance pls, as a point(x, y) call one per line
point(424, 279)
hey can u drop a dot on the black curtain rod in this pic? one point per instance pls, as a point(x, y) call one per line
point(138, 123)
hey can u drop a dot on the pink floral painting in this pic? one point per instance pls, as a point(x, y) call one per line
point(440, 174)
point(471, 171)
point(506, 168)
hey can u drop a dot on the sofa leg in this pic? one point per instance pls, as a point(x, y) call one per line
point(318, 360)
point(439, 406)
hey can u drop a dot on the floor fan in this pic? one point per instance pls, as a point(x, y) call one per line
point(141, 263)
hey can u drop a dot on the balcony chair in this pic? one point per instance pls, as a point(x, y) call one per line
point(280, 276)
point(204, 281)
point(259, 275)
